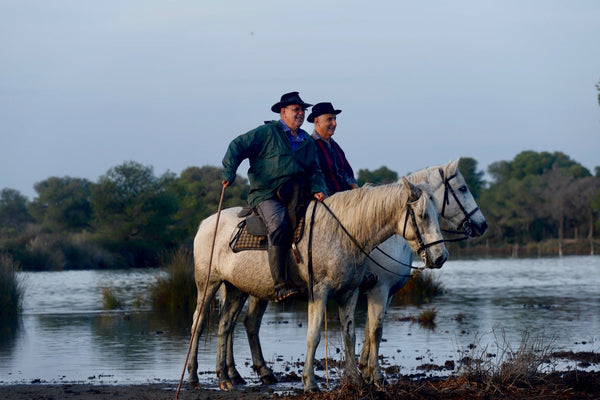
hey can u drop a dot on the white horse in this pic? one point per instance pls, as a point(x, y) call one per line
point(389, 261)
point(369, 216)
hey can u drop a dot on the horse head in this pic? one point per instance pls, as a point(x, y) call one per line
point(420, 225)
point(456, 204)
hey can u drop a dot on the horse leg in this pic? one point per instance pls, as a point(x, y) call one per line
point(364, 353)
point(376, 307)
point(316, 310)
point(232, 303)
point(254, 315)
point(198, 325)
point(347, 308)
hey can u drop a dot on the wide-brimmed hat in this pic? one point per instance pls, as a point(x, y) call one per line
point(320, 109)
point(287, 99)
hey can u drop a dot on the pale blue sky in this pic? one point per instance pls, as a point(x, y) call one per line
point(87, 85)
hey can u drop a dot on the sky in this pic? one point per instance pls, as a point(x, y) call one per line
point(88, 85)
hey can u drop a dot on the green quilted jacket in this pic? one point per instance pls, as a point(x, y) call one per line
point(272, 161)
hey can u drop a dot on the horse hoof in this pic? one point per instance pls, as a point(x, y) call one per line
point(193, 385)
point(226, 385)
point(312, 390)
point(238, 380)
point(268, 379)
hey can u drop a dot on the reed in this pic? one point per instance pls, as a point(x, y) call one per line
point(111, 301)
point(11, 290)
point(175, 292)
point(420, 288)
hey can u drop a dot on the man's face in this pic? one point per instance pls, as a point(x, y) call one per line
point(293, 116)
point(325, 125)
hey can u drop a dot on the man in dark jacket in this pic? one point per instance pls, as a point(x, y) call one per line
point(337, 171)
point(280, 154)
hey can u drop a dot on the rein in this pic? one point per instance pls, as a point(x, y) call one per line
point(409, 212)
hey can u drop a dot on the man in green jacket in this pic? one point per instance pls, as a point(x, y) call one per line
point(280, 154)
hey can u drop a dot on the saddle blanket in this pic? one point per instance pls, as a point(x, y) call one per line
point(243, 240)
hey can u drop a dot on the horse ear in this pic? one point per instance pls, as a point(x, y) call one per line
point(414, 193)
point(453, 166)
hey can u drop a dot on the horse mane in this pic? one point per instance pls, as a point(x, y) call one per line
point(362, 211)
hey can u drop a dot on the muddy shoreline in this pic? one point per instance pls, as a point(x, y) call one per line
point(580, 382)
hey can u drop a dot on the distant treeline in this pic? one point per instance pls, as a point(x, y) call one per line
point(131, 218)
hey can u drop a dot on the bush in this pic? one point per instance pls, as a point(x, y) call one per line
point(11, 290)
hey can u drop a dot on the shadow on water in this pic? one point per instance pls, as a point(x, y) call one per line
point(9, 331)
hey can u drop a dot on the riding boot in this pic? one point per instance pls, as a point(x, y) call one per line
point(277, 263)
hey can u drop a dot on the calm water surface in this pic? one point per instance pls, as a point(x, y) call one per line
point(65, 336)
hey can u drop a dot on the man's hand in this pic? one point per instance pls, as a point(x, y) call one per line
point(320, 196)
point(225, 183)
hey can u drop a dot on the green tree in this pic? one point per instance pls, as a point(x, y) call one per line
point(474, 179)
point(62, 204)
point(14, 214)
point(198, 191)
point(534, 163)
point(379, 176)
point(133, 212)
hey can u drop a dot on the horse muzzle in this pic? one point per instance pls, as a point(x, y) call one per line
point(434, 261)
point(474, 230)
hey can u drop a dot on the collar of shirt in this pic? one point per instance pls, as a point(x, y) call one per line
point(299, 138)
point(316, 136)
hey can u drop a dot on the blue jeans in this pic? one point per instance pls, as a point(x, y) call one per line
point(273, 213)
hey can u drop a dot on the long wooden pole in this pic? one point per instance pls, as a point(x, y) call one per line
point(204, 294)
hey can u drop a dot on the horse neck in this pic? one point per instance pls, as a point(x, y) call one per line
point(370, 215)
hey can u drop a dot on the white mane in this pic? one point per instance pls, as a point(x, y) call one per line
point(359, 210)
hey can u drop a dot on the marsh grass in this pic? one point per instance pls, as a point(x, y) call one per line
point(110, 299)
point(496, 371)
point(420, 288)
point(175, 293)
point(11, 290)
point(427, 317)
point(501, 364)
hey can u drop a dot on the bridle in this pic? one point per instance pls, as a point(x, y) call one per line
point(449, 191)
point(410, 214)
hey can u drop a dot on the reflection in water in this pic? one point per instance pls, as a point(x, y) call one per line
point(64, 335)
point(8, 335)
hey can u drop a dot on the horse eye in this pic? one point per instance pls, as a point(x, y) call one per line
point(463, 189)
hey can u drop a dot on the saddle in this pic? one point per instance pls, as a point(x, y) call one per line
point(251, 233)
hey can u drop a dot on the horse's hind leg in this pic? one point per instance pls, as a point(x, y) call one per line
point(198, 325)
point(347, 308)
point(256, 311)
point(231, 304)
point(368, 361)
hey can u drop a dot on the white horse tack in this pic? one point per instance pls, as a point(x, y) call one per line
point(452, 197)
point(338, 266)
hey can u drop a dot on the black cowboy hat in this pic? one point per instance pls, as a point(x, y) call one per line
point(320, 109)
point(287, 99)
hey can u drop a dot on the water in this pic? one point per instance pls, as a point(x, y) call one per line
point(65, 336)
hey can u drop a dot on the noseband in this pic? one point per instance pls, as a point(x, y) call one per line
point(410, 212)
